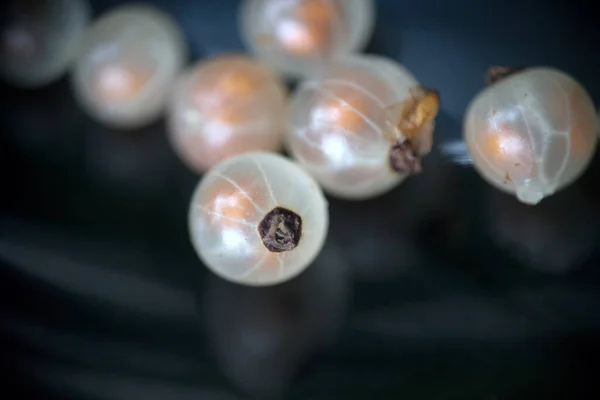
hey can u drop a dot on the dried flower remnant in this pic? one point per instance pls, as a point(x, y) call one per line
point(280, 230)
point(421, 109)
point(403, 159)
point(497, 73)
point(416, 126)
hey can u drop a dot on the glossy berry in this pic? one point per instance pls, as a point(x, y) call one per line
point(128, 62)
point(258, 219)
point(40, 40)
point(532, 132)
point(223, 107)
point(362, 126)
point(295, 36)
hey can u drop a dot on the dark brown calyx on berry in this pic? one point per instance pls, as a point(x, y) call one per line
point(415, 127)
point(280, 230)
point(404, 159)
point(497, 73)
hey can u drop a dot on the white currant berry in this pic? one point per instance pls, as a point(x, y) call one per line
point(258, 219)
point(128, 62)
point(362, 126)
point(531, 132)
point(41, 39)
point(295, 36)
point(223, 107)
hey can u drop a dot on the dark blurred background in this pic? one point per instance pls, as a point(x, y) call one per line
point(442, 289)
